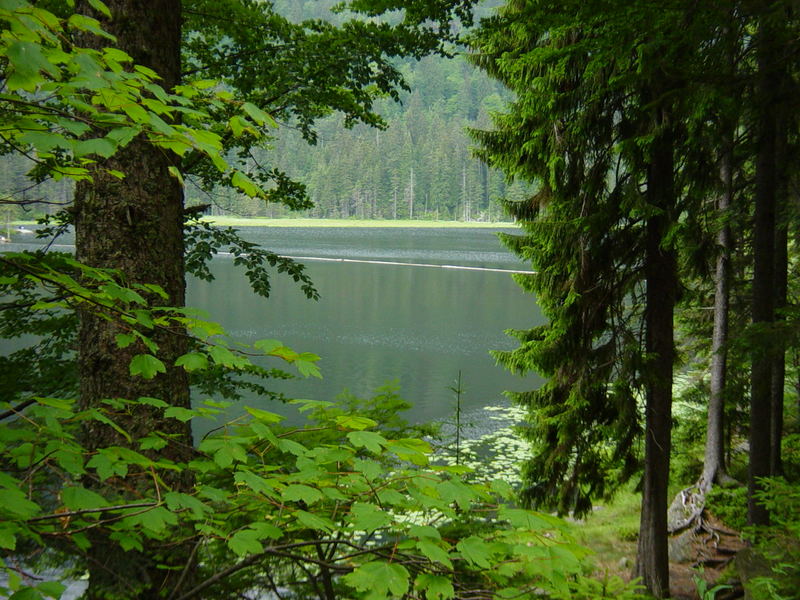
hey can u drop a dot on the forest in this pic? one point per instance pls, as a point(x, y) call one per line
point(647, 154)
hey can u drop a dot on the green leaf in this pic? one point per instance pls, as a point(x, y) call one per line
point(308, 368)
point(382, 579)
point(354, 422)
point(296, 448)
point(176, 173)
point(79, 498)
point(246, 185)
point(51, 589)
point(313, 521)
point(124, 339)
point(238, 125)
point(8, 535)
point(228, 453)
point(258, 115)
point(424, 531)
point(26, 593)
point(16, 504)
point(152, 442)
point(105, 468)
point(98, 146)
point(458, 492)
point(476, 551)
point(155, 402)
point(436, 587)
point(27, 60)
point(59, 403)
point(177, 501)
point(155, 519)
point(368, 517)
point(143, 317)
point(127, 540)
point(70, 459)
point(193, 361)
point(503, 489)
point(295, 493)
point(414, 451)
point(434, 552)
point(180, 413)
point(245, 542)
point(266, 531)
point(263, 415)
point(43, 141)
point(528, 520)
point(84, 23)
point(369, 468)
point(256, 483)
point(267, 346)
point(367, 439)
point(147, 366)
point(222, 356)
point(100, 7)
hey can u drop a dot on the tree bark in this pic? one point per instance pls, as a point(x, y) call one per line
point(781, 283)
point(652, 561)
point(135, 225)
point(763, 270)
point(714, 461)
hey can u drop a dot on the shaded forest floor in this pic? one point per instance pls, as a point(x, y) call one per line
point(612, 533)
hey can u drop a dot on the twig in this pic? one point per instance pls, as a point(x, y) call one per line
point(186, 569)
point(15, 410)
point(86, 511)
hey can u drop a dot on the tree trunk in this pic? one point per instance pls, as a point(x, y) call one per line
point(763, 271)
point(781, 286)
point(135, 225)
point(652, 560)
point(714, 462)
point(779, 350)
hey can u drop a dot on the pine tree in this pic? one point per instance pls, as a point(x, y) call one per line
point(598, 132)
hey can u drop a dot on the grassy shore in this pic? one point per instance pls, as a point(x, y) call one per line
point(264, 222)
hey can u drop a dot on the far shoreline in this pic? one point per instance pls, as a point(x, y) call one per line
point(226, 221)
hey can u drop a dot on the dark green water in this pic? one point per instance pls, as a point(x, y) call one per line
point(377, 323)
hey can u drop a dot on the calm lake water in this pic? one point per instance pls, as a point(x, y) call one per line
point(379, 323)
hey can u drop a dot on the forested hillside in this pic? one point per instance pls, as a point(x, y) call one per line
point(420, 166)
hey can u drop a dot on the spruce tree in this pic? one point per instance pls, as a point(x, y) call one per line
point(599, 130)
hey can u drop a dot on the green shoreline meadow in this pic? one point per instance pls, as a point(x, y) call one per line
point(265, 222)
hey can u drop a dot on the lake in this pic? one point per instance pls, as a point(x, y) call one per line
point(376, 323)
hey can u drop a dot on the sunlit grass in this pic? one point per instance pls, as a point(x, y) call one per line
point(611, 531)
point(264, 222)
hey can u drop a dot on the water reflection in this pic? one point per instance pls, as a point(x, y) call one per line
point(376, 323)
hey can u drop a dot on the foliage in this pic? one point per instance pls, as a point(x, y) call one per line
point(204, 240)
point(704, 591)
point(65, 106)
point(780, 542)
point(336, 508)
point(580, 134)
point(729, 505)
point(606, 587)
point(343, 508)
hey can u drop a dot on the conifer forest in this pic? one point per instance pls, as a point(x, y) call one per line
point(637, 159)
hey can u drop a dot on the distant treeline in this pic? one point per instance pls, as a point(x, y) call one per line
point(419, 167)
